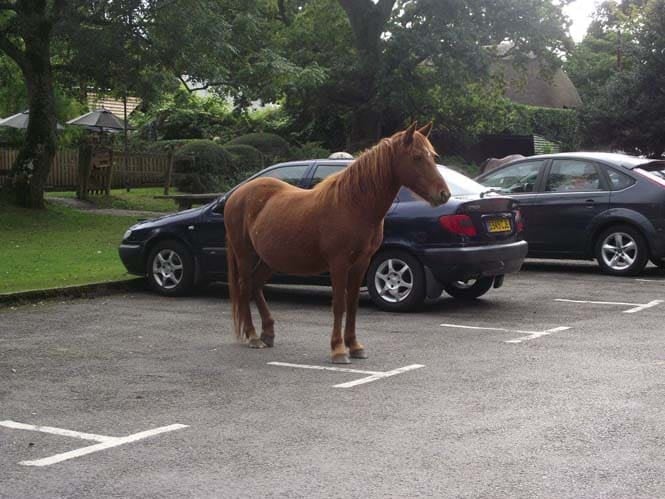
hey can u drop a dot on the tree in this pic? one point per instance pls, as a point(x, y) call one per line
point(25, 37)
point(390, 51)
point(626, 109)
point(119, 47)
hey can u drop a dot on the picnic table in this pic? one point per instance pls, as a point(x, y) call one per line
point(186, 201)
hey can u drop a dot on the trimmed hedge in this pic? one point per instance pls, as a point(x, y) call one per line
point(273, 147)
point(560, 125)
point(246, 160)
point(202, 166)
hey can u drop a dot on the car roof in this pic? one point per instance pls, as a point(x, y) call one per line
point(616, 159)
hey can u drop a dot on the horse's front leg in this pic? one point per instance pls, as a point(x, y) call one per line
point(356, 275)
point(339, 277)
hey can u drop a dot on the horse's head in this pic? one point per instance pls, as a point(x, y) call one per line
point(414, 165)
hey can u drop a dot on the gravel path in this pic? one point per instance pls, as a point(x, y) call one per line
point(77, 204)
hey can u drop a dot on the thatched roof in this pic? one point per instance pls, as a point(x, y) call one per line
point(533, 88)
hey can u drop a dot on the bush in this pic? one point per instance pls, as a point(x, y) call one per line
point(310, 150)
point(246, 161)
point(273, 147)
point(202, 166)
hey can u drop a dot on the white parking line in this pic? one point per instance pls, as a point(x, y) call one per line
point(373, 375)
point(530, 335)
point(106, 442)
point(636, 307)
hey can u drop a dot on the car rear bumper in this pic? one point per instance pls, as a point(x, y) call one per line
point(459, 264)
point(132, 258)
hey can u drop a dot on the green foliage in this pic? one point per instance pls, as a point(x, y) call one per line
point(559, 125)
point(272, 146)
point(202, 166)
point(625, 111)
point(310, 150)
point(246, 160)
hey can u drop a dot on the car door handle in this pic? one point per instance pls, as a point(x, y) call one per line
point(590, 203)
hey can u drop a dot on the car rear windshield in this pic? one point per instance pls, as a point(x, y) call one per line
point(654, 169)
point(459, 184)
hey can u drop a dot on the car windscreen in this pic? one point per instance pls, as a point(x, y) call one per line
point(459, 184)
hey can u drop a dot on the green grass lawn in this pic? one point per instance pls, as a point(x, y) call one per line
point(57, 247)
point(137, 199)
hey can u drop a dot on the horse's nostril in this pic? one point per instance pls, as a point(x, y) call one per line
point(445, 196)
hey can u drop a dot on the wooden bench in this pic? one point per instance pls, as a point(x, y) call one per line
point(186, 201)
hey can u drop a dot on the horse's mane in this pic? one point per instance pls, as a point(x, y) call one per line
point(371, 169)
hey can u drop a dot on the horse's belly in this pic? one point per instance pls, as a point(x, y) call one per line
point(290, 247)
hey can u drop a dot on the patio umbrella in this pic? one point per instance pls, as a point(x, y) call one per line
point(100, 120)
point(20, 120)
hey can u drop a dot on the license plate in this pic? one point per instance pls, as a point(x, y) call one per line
point(498, 225)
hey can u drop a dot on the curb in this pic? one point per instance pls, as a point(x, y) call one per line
point(76, 291)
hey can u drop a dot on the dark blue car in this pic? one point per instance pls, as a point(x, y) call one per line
point(610, 207)
point(465, 246)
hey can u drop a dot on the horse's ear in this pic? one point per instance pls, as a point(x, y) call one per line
point(408, 134)
point(426, 129)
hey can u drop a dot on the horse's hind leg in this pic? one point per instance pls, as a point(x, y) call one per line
point(260, 276)
point(245, 266)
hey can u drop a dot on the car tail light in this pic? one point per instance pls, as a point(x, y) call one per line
point(519, 221)
point(458, 224)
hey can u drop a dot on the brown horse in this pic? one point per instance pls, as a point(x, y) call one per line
point(337, 226)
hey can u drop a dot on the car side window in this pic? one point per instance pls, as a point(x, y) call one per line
point(515, 179)
point(323, 171)
point(573, 175)
point(291, 174)
point(619, 180)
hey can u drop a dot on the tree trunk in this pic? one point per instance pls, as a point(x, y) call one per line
point(368, 21)
point(33, 163)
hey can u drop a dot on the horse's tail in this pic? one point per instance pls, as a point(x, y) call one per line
point(234, 285)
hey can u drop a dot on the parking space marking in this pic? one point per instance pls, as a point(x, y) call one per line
point(106, 442)
point(530, 335)
point(373, 375)
point(635, 307)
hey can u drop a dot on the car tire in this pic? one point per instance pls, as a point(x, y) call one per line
point(621, 250)
point(469, 290)
point(170, 268)
point(396, 281)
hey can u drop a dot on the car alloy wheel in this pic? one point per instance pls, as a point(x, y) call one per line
point(396, 281)
point(393, 280)
point(167, 269)
point(170, 268)
point(622, 250)
point(619, 251)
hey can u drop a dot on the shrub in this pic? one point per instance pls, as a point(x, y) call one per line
point(310, 150)
point(246, 160)
point(273, 147)
point(202, 166)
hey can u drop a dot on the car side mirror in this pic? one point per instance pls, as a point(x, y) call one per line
point(219, 207)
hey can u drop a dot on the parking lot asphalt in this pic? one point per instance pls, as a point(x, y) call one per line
point(517, 395)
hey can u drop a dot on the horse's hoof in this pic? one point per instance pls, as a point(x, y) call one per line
point(256, 343)
point(359, 354)
point(341, 358)
point(268, 340)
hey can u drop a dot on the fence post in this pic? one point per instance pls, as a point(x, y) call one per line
point(169, 171)
point(107, 183)
point(84, 166)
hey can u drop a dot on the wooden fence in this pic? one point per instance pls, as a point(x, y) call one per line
point(142, 170)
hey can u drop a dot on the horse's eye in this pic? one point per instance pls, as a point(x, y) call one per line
point(417, 157)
